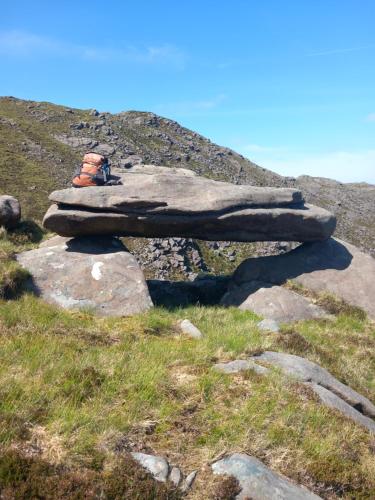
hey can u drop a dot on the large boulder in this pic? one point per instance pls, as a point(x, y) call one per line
point(329, 266)
point(163, 205)
point(94, 273)
point(10, 211)
point(272, 302)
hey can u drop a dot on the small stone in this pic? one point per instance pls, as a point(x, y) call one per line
point(268, 325)
point(175, 476)
point(188, 483)
point(156, 465)
point(190, 330)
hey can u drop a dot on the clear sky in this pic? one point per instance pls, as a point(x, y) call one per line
point(288, 83)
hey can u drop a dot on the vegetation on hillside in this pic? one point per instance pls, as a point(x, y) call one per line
point(79, 392)
point(33, 161)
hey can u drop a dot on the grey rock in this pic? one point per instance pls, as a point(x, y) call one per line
point(156, 465)
point(310, 372)
point(175, 476)
point(331, 266)
point(332, 401)
point(175, 205)
point(77, 142)
point(188, 483)
point(240, 365)
point(177, 194)
point(268, 325)
point(257, 481)
point(152, 170)
point(93, 112)
point(272, 302)
point(130, 161)
point(189, 329)
point(104, 149)
point(95, 273)
point(10, 211)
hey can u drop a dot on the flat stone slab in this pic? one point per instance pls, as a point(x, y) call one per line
point(257, 481)
point(273, 302)
point(188, 206)
point(176, 194)
point(94, 273)
point(331, 266)
point(262, 224)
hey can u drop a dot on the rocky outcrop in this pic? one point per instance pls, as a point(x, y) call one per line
point(331, 266)
point(10, 211)
point(272, 302)
point(330, 391)
point(257, 481)
point(98, 274)
point(163, 205)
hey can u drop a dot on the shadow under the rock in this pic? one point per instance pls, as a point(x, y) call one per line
point(306, 258)
point(207, 291)
point(95, 245)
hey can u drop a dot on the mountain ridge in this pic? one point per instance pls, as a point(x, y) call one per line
point(43, 143)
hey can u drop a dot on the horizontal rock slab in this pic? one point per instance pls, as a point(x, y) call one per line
point(176, 194)
point(88, 273)
point(257, 481)
point(277, 224)
point(331, 266)
point(272, 302)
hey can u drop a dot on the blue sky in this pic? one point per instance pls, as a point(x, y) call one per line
point(289, 84)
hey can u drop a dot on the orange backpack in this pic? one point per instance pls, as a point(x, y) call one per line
point(91, 171)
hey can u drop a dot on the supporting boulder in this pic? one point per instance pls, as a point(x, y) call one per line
point(331, 266)
point(272, 302)
point(98, 274)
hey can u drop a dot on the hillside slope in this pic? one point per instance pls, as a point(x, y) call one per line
point(41, 143)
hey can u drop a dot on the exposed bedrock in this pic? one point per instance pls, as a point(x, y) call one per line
point(164, 205)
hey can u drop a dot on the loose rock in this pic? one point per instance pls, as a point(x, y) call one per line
point(10, 211)
point(189, 329)
point(156, 465)
point(268, 325)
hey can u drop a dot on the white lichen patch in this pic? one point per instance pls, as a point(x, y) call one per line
point(96, 272)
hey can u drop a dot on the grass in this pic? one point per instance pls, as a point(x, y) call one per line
point(78, 392)
point(92, 385)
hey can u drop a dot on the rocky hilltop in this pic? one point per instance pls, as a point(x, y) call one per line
point(41, 143)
